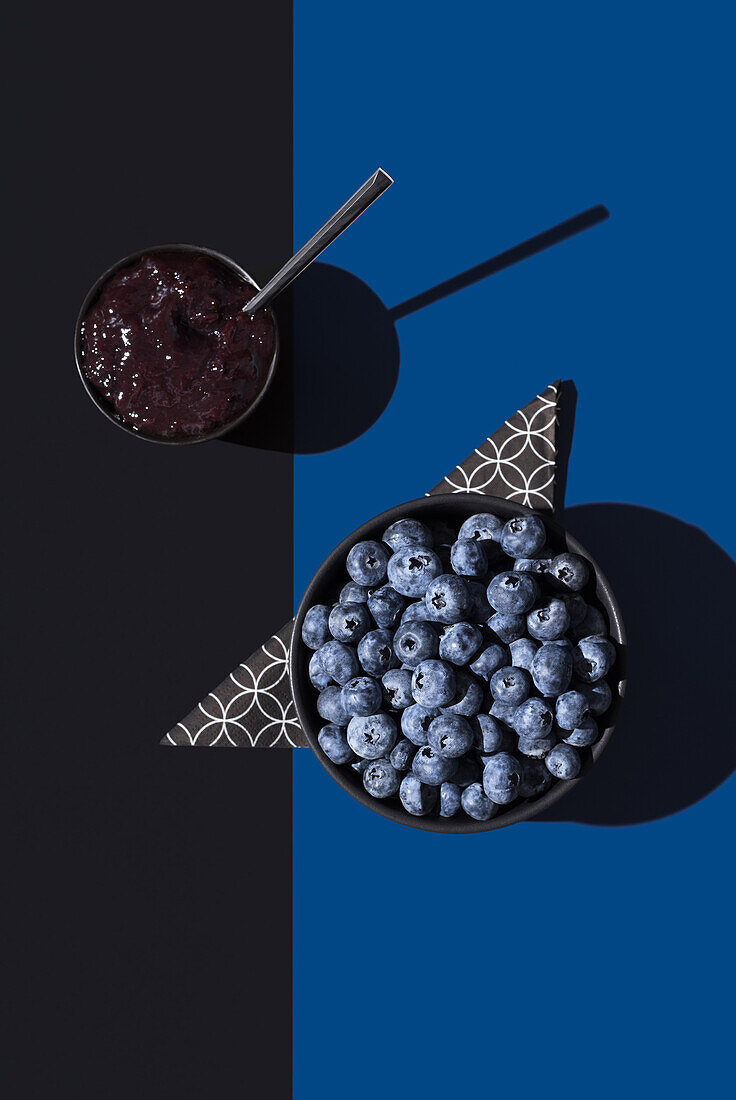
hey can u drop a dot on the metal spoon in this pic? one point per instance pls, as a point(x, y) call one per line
point(339, 221)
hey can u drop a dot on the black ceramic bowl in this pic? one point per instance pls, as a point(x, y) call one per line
point(104, 406)
point(325, 587)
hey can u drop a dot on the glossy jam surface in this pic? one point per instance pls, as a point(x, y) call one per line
point(168, 345)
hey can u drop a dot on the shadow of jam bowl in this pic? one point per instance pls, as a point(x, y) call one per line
point(105, 407)
point(324, 588)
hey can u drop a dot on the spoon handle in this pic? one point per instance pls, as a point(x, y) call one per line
point(339, 221)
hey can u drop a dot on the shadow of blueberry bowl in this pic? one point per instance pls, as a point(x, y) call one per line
point(325, 587)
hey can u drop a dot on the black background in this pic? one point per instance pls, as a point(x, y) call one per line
point(147, 891)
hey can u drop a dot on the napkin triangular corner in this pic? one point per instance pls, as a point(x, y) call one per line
point(519, 461)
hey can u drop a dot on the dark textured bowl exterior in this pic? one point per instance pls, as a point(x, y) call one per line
point(104, 406)
point(329, 579)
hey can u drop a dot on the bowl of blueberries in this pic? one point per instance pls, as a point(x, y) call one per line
point(455, 669)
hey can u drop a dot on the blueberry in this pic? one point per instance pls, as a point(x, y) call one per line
point(381, 778)
point(523, 536)
point(449, 598)
point(361, 695)
point(449, 799)
point(571, 708)
point(563, 762)
point(411, 569)
point(533, 719)
point(490, 735)
point(407, 532)
point(552, 669)
point(537, 746)
point(502, 778)
point(481, 609)
point(533, 565)
point(584, 734)
point(548, 622)
point(402, 755)
point(468, 698)
point(564, 643)
point(489, 661)
point(504, 712)
point(434, 683)
point(468, 558)
point(417, 612)
point(385, 605)
point(372, 736)
point(476, 804)
point(431, 768)
point(316, 628)
point(593, 659)
point(513, 593)
point(339, 661)
point(507, 628)
point(330, 706)
point(415, 723)
point(459, 643)
point(359, 766)
point(397, 688)
point(354, 593)
point(317, 675)
point(417, 798)
point(535, 779)
point(334, 744)
point(376, 652)
point(349, 622)
point(522, 652)
point(367, 562)
point(483, 527)
point(416, 642)
point(577, 609)
point(571, 571)
point(511, 685)
point(593, 623)
point(598, 696)
point(450, 735)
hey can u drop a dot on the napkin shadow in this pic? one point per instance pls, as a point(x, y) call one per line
point(566, 408)
point(345, 354)
point(674, 742)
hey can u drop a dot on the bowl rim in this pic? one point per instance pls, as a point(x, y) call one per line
point(104, 407)
point(303, 692)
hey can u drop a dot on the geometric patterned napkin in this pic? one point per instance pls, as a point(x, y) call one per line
point(254, 708)
point(518, 461)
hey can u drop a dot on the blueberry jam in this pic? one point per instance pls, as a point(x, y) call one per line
point(168, 344)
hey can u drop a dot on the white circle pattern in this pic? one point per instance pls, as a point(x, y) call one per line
point(517, 462)
point(252, 708)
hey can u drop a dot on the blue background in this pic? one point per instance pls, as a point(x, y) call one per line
point(550, 956)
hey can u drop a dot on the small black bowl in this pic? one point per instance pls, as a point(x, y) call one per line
point(325, 587)
point(104, 406)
